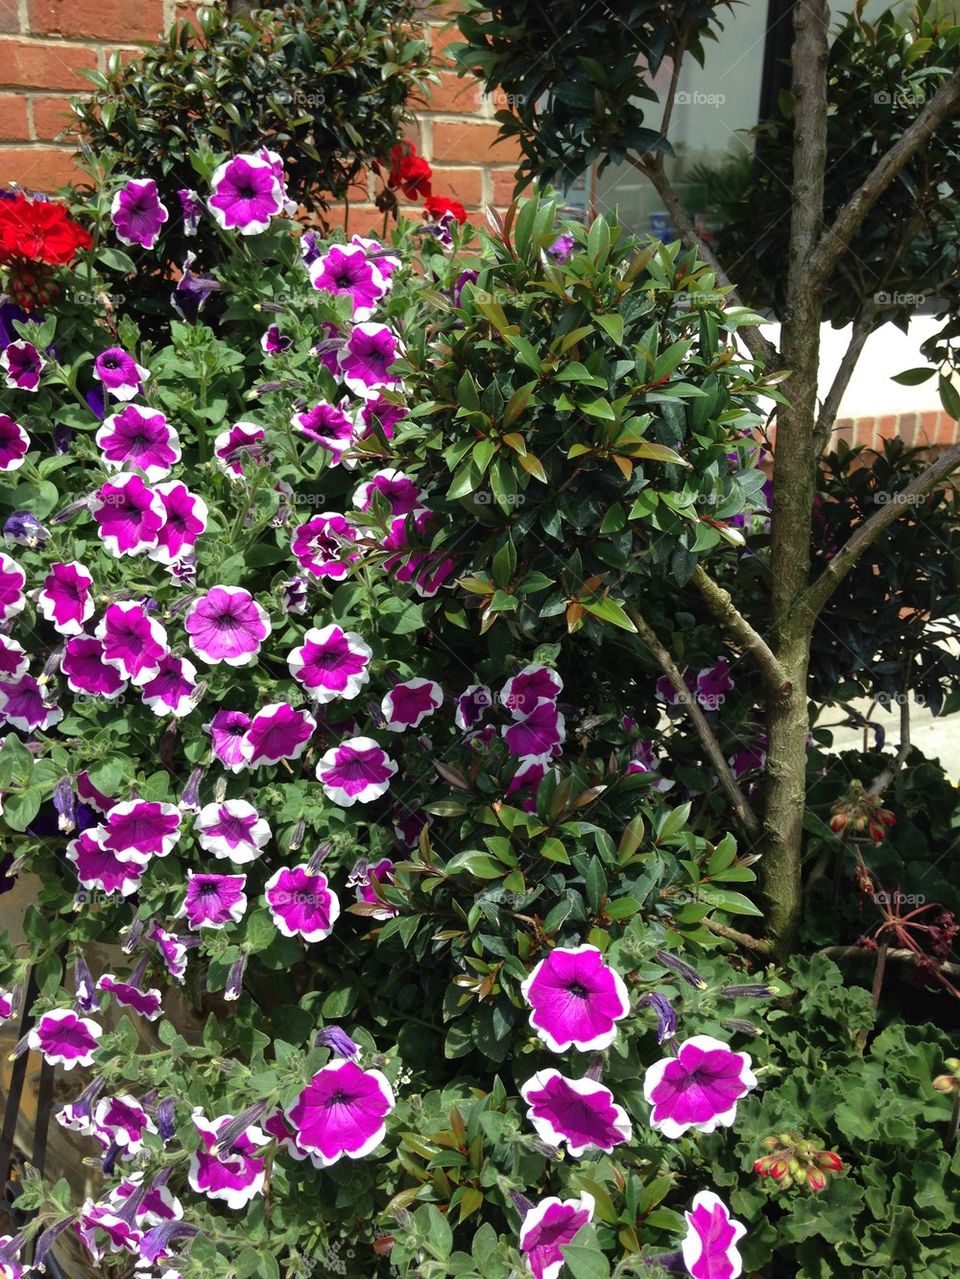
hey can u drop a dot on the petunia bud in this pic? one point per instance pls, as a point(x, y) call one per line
point(666, 1017)
point(338, 1041)
point(297, 834)
point(132, 934)
point(47, 1240)
point(65, 802)
point(165, 1120)
point(749, 992)
point(689, 975)
point(235, 1129)
point(234, 986)
point(190, 799)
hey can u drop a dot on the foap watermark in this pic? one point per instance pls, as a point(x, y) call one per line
point(899, 499)
point(696, 98)
point(900, 699)
point(896, 898)
point(898, 299)
point(486, 498)
point(83, 297)
point(499, 100)
point(899, 98)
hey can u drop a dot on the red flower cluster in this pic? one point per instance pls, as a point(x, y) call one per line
point(409, 171)
point(796, 1162)
point(39, 231)
point(438, 205)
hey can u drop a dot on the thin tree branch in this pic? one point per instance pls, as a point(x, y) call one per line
point(863, 326)
point(652, 168)
point(899, 956)
point(738, 801)
point(674, 78)
point(721, 605)
point(887, 774)
point(836, 238)
point(756, 945)
point(814, 598)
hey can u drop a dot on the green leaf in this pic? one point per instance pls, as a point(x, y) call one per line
point(949, 397)
point(608, 610)
point(613, 325)
point(584, 1261)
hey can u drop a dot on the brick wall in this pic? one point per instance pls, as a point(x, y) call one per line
point(45, 44)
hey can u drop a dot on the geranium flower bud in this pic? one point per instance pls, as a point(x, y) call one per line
point(838, 821)
point(829, 1160)
point(815, 1180)
point(946, 1083)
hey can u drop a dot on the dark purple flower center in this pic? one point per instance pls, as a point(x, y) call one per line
point(577, 990)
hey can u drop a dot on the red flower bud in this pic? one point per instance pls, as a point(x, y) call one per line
point(838, 821)
point(829, 1160)
point(815, 1180)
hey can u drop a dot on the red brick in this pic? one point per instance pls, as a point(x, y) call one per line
point(14, 126)
point(9, 16)
point(100, 19)
point(465, 185)
point(441, 38)
point(948, 430)
point(39, 168)
point(188, 13)
point(453, 95)
point(468, 143)
point(52, 118)
point(504, 181)
point(45, 66)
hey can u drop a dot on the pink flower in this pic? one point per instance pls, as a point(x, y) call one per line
point(548, 1227)
point(331, 663)
point(370, 350)
point(185, 518)
point(232, 829)
point(129, 515)
point(278, 731)
point(713, 684)
point(13, 660)
point(121, 375)
point(341, 1112)
point(86, 671)
point(137, 213)
point(345, 268)
point(121, 1120)
point(132, 641)
point(243, 440)
point(138, 829)
point(397, 490)
point(14, 443)
point(580, 1112)
point(226, 625)
point(24, 705)
point(12, 582)
point(172, 690)
point(233, 1176)
point(301, 903)
point(227, 730)
point(356, 771)
point(65, 597)
point(64, 1039)
point(320, 545)
point(365, 879)
point(408, 704)
point(699, 1088)
point(247, 194)
point(328, 426)
point(213, 901)
point(173, 950)
point(524, 691)
point(537, 735)
point(101, 868)
point(576, 1000)
point(88, 794)
point(709, 1248)
point(130, 994)
point(22, 364)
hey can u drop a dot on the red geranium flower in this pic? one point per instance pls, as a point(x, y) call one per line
point(438, 205)
point(409, 171)
point(39, 231)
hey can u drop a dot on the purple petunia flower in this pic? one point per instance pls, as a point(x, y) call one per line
point(14, 445)
point(576, 1000)
point(13, 660)
point(345, 268)
point(233, 1176)
point(667, 693)
point(408, 704)
point(99, 868)
point(192, 291)
point(226, 625)
point(366, 356)
point(185, 519)
point(138, 829)
point(65, 598)
point(64, 1039)
point(137, 213)
point(341, 1112)
point(247, 194)
point(93, 798)
point(751, 759)
point(379, 413)
point(699, 1088)
point(550, 1225)
point(295, 595)
point(173, 950)
point(278, 731)
point(472, 704)
point(227, 730)
point(173, 689)
point(713, 683)
point(12, 581)
point(524, 691)
point(129, 515)
point(331, 663)
point(537, 735)
point(24, 704)
point(320, 545)
point(22, 364)
point(133, 641)
point(86, 671)
point(365, 880)
point(191, 209)
point(356, 771)
point(709, 1248)
point(329, 427)
point(301, 903)
point(562, 247)
point(397, 489)
point(580, 1112)
point(232, 829)
point(274, 342)
point(213, 901)
point(130, 993)
point(139, 438)
point(121, 376)
point(24, 529)
point(244, 440)
point(121, 1121)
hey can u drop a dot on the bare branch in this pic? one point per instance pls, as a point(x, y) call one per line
point(816, 595)
point(836, 239)
point(863, 326)
point(721, 605)
point(756, 945)
point(887, 774)
point(742, 810)
point(899, 956)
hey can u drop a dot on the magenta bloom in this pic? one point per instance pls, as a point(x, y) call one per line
point(233, 829)
point(173, 950)
point(276, 732)
point(14, 443)
point(547, 1227)
point(537, 735)
point(137, 213)
point(227, 730)
point(345, 268)
point(172, 690)
point(213, 901)
point(368, 353)
point(407, 705)
point(121, 1235)
point(576, 1000)
point(64, 1039)
point(22, 364)
point(121, 1120)
point(243, 440)
point(472, 704)
point(365, 879)
point(24, 705)
point(132, 641)
point(246, 194)
point(709, 1249)
point(580, 1112)
point(356, 771)
point(86, 671)
point(139, 438)
point(331, 663)
point(121, 375)
point(129, 515)
point(328, 426)
point(88, 794)
point(379, 413)
point(320, 545)
point(226, 625)
point(138, 829)
point(341, 1112)
point(13, 660)
point(699, 1088)
point(100, 868)
point(233, 1176)
point(144, 1002)
point(301, 903)
point(397, 489)
point(273, 342)
point(12, 582)
point(524, 692)
point(713, 684)
point(65, 599)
